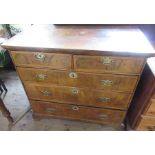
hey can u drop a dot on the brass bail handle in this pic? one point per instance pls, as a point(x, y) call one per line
point(107, 60)
point(103, 116)
point(104, 99)
point(106, 82)
point(45, 92)
point(41, 76)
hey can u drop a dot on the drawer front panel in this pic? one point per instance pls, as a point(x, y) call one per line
point(80, 96)
point(151, 109)
point(102, 64)
point(35, 59)
point(78, 112)
point(75, 79)
point(147, 123)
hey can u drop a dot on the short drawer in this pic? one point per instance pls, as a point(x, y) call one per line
point(151, 109)
point(77, 79)
point(147, 123)
point(98, 115)
point(108, 64)
point(36, 59)
point(79, 96)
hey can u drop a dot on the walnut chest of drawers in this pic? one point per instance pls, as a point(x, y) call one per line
point(87, 73)
point(141, 115)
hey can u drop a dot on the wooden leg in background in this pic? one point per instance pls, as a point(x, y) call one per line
point(5, 111)
point(3, 85)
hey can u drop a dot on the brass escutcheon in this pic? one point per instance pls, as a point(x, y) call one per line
point(75, 108)
point(73, 75)
point(40, 56)
point(75, 91)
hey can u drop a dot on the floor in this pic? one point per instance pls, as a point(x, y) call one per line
point(16, 102)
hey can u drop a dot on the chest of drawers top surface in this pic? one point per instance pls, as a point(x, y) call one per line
point(108, 40)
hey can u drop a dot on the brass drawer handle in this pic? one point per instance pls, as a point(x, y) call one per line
point(45, 92)
point(41, 77)
point(40, 56)
point(75, 91)
point(73, 75)
point(50, 110)
point(106, 82)
point(104, 99)
point(75, 108)
point(103, 116)
point(106, 60)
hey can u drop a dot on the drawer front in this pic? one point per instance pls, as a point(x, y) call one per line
point(104, 64)
point(76, 79)
point(36, 59)
point(151, 109)
point(78, 112)
point(147, 123)
point(80, 96)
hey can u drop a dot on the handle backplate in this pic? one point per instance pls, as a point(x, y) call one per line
point(106, 60)
point(102, 116)
point(41, 77)
point(75, 91)
point(106, 82)
point(45, 92)
point(50, 110)
point(104, 99)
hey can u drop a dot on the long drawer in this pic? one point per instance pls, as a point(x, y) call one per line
point(36, 59)
point(147, 123)
point(108, 64)
point(80, 96)
point(75, 79)
point(99, 115)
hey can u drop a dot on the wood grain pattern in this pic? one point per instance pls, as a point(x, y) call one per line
point(120, 83)
point(99, 115)
point(100, 64)
point(147, 124)
point(80, 96)
point(52, 60)
point(151, 109)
